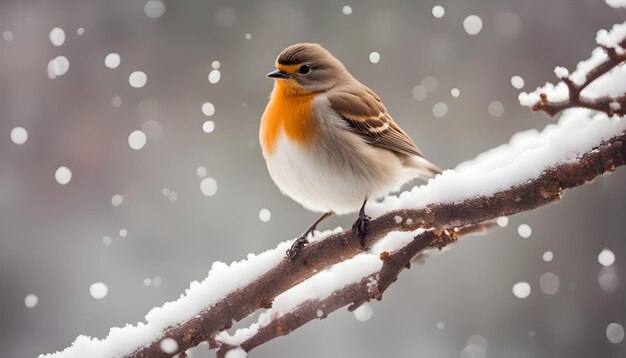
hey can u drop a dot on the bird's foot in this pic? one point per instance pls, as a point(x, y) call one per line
point(360, 229)
point(297, 246)
point(302, 240)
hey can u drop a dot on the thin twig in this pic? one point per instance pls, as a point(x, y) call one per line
point(602, 104)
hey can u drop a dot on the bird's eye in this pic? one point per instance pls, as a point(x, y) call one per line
point(304, 69)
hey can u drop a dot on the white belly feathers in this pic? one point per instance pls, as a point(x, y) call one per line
point(338, 170)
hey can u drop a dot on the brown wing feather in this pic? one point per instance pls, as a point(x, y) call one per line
point(366, 115)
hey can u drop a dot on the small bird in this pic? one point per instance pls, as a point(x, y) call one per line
point(328, 141)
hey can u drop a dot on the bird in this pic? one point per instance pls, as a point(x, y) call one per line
point(328, 141)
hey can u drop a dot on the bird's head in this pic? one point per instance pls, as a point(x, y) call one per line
point(308, 68)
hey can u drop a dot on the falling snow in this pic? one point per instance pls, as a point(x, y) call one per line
point(98, 290)
point(608, 279)
point(137, 139)
point(472, 24)
point(606, 257)
point(117, 200)
point(419, 92)
point(31, 301)
point(346, 10)
point(19, 135)
point(615, 333)
point(156, 281)
point(208, 186)
point(496, 109)
point(116, 101)
point(265, 215)
point(57, 36)
point(201, 171)
point(154, 9)
point(208, 109)
point(440, 109)
point(214, 76)
point(112, 60)
point(438, 11)
point(517, 82)
point(374, 57)
point(63, 175)
point(524, 230)
point(549, 283)
point(137, 79)
point(8, 36)
point(208, 126)
point(521, 290)
point(547, 256)
point(58, 66)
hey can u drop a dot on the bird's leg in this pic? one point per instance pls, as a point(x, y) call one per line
point(360, 226)
point(302, 240)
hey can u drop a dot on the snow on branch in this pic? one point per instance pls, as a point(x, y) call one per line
point(324, 295)
point(598, 83)
point(274, 323)
point(532, 170)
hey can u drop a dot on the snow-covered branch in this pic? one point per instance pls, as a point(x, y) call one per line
point(273, 323)
point(598, 83)
point(532, 170)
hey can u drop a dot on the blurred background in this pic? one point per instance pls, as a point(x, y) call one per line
point(119, 184)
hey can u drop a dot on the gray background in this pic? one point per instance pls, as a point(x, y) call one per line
point(51, 235)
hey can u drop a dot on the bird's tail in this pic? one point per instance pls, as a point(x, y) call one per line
point(426, 169)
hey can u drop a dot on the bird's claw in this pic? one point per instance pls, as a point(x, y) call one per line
point(296, 247)
point(360, 229)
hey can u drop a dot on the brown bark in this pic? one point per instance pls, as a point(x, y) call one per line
point(370, 287)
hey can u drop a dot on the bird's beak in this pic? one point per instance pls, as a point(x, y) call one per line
point(278, 74)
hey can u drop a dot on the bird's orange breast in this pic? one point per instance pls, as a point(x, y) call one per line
point(290, 111)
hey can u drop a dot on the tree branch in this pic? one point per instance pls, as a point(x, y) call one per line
point(602, 104)
point(370, 287)
point(545, 189)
